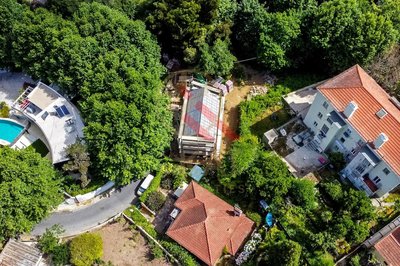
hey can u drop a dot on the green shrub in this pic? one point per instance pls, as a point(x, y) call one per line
point(4, 109)
point(86, 249)
point(60, 255)
point(179, 253)
point(255, 217)
point(155, 200)
point(337, 160)
point(155, 250)
point(167, 184)
point(141, 221)
point(49, 240)
point(303, 193)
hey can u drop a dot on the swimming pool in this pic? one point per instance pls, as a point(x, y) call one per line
point(9, 130)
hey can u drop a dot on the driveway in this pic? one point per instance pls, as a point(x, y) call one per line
point(82, 220)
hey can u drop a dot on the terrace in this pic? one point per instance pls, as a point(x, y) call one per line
point(54, 115)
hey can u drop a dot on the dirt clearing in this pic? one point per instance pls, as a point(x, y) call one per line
point(232, 101)
point(124, 247)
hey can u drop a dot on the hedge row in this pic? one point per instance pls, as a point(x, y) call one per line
point(179, 252)
point(141, 221)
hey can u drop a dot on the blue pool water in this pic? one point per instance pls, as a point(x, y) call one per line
point(9, 130)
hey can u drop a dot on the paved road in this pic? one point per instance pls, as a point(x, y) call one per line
point(84, 219)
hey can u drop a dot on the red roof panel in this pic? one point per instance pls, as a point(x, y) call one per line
point(389, 248)
point(206, 224)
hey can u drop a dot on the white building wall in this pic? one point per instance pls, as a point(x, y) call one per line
point(351, 145)
point(387, 181)
point(312, 115)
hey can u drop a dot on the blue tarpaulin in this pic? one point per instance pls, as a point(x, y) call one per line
point(269, 219)
point(196, 173)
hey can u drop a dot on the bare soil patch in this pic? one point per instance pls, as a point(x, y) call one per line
point(232, 101)
point(124, 247)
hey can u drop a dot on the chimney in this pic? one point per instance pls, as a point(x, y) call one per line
point(380, 140)
point(237, 211)
point(350, 109)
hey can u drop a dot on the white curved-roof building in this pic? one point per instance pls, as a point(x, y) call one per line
point(57, 118)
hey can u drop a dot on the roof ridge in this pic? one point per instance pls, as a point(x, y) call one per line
point(359, 76)
point(208, 246)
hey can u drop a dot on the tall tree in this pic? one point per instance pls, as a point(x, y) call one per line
point(216, 59)
point(349, 32)
point(10, 13)
point(29, 188)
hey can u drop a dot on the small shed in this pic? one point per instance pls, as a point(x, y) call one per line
point(196, 173)
point(16, 253)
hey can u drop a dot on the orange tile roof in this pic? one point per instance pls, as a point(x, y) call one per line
point(389, 248)
point(206, 224)
point(356, 85)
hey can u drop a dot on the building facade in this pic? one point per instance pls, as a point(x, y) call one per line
point(353, 115)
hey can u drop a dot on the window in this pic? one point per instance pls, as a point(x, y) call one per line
point(325, 129)
point(362, 166)
point(377, 179)
point(386, 171)
point(381, 113)
point(315, 124)
point(347, 133)
point(319, 115)
point(329, 120)
point(342, 140)
point(325, 105)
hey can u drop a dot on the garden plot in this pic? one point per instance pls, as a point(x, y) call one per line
point(124, 247)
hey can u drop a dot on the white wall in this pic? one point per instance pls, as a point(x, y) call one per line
point(388, 182)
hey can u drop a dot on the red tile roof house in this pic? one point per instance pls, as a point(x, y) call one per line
point(388, 248)
point(353, 115)
point(206, 225)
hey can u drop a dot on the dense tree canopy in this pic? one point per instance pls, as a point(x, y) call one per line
point(29, 188)
point(350, 31)
point(10, 13)
point(184, 27)
point(112, 63)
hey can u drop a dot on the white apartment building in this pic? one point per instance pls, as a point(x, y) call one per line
point(352, 114)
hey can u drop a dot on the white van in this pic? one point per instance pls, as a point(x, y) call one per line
point(145, 184)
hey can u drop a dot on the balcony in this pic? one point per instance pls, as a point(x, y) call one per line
point(361, 183)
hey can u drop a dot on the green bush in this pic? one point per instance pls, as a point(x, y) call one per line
point(337, 160)
point(4, 109)
point(141, 221)
point(255, 217)
point(155, 250)
point(179, 253)
point(86, 249)
point(60, 255)
point(155, 200)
